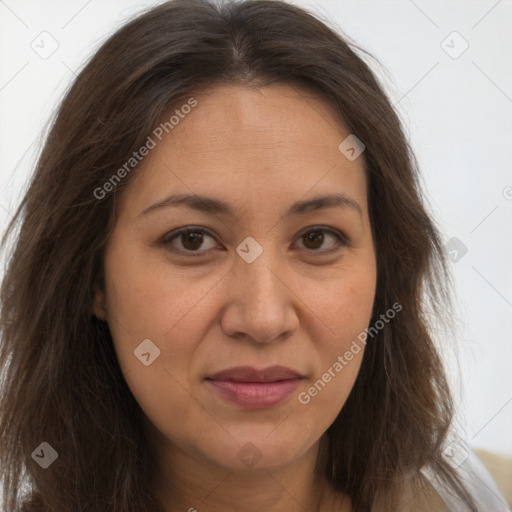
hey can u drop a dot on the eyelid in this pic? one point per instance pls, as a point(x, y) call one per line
point(342, 239)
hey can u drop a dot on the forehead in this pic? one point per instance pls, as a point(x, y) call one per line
point(274, 118)
point(240, 141)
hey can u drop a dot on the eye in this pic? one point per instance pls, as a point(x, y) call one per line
point(315, 237)
point(191, 239)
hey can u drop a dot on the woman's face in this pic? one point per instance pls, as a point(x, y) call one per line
point(261, 281)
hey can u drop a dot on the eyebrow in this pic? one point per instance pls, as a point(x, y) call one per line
point(215, 206)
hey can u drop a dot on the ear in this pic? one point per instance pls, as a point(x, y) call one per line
point(99, 308)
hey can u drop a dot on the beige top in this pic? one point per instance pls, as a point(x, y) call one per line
point(476, 479)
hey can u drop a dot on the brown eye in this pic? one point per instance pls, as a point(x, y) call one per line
point(315, 238)
point(192, 240)
point(189, 240)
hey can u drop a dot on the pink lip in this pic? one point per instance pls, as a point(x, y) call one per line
point(255, 389)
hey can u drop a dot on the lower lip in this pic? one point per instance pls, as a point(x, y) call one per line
point(255, 395)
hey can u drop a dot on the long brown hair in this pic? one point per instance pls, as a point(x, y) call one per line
point(61, 382)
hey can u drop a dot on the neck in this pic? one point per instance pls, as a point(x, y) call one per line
point(186, 484)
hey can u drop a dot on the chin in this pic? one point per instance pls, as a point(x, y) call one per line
point(265, 450)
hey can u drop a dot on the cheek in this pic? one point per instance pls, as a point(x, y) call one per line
point(152, 301)
point(343, 312)
point(342, 307)
point(149, 301)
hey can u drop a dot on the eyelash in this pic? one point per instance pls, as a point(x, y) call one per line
point(342, 240)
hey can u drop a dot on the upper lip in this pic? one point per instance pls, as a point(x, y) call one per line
point(250, 374)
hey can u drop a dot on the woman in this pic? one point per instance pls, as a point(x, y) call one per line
point(216, 300)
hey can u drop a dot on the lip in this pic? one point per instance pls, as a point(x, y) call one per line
point(255, 389)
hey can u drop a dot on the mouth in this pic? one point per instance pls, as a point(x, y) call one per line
point(249, 388)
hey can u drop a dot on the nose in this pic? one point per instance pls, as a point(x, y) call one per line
point(261, 304)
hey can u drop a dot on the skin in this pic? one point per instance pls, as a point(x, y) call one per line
point(296, 305)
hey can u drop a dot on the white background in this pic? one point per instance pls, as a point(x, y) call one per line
point(457, 113)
